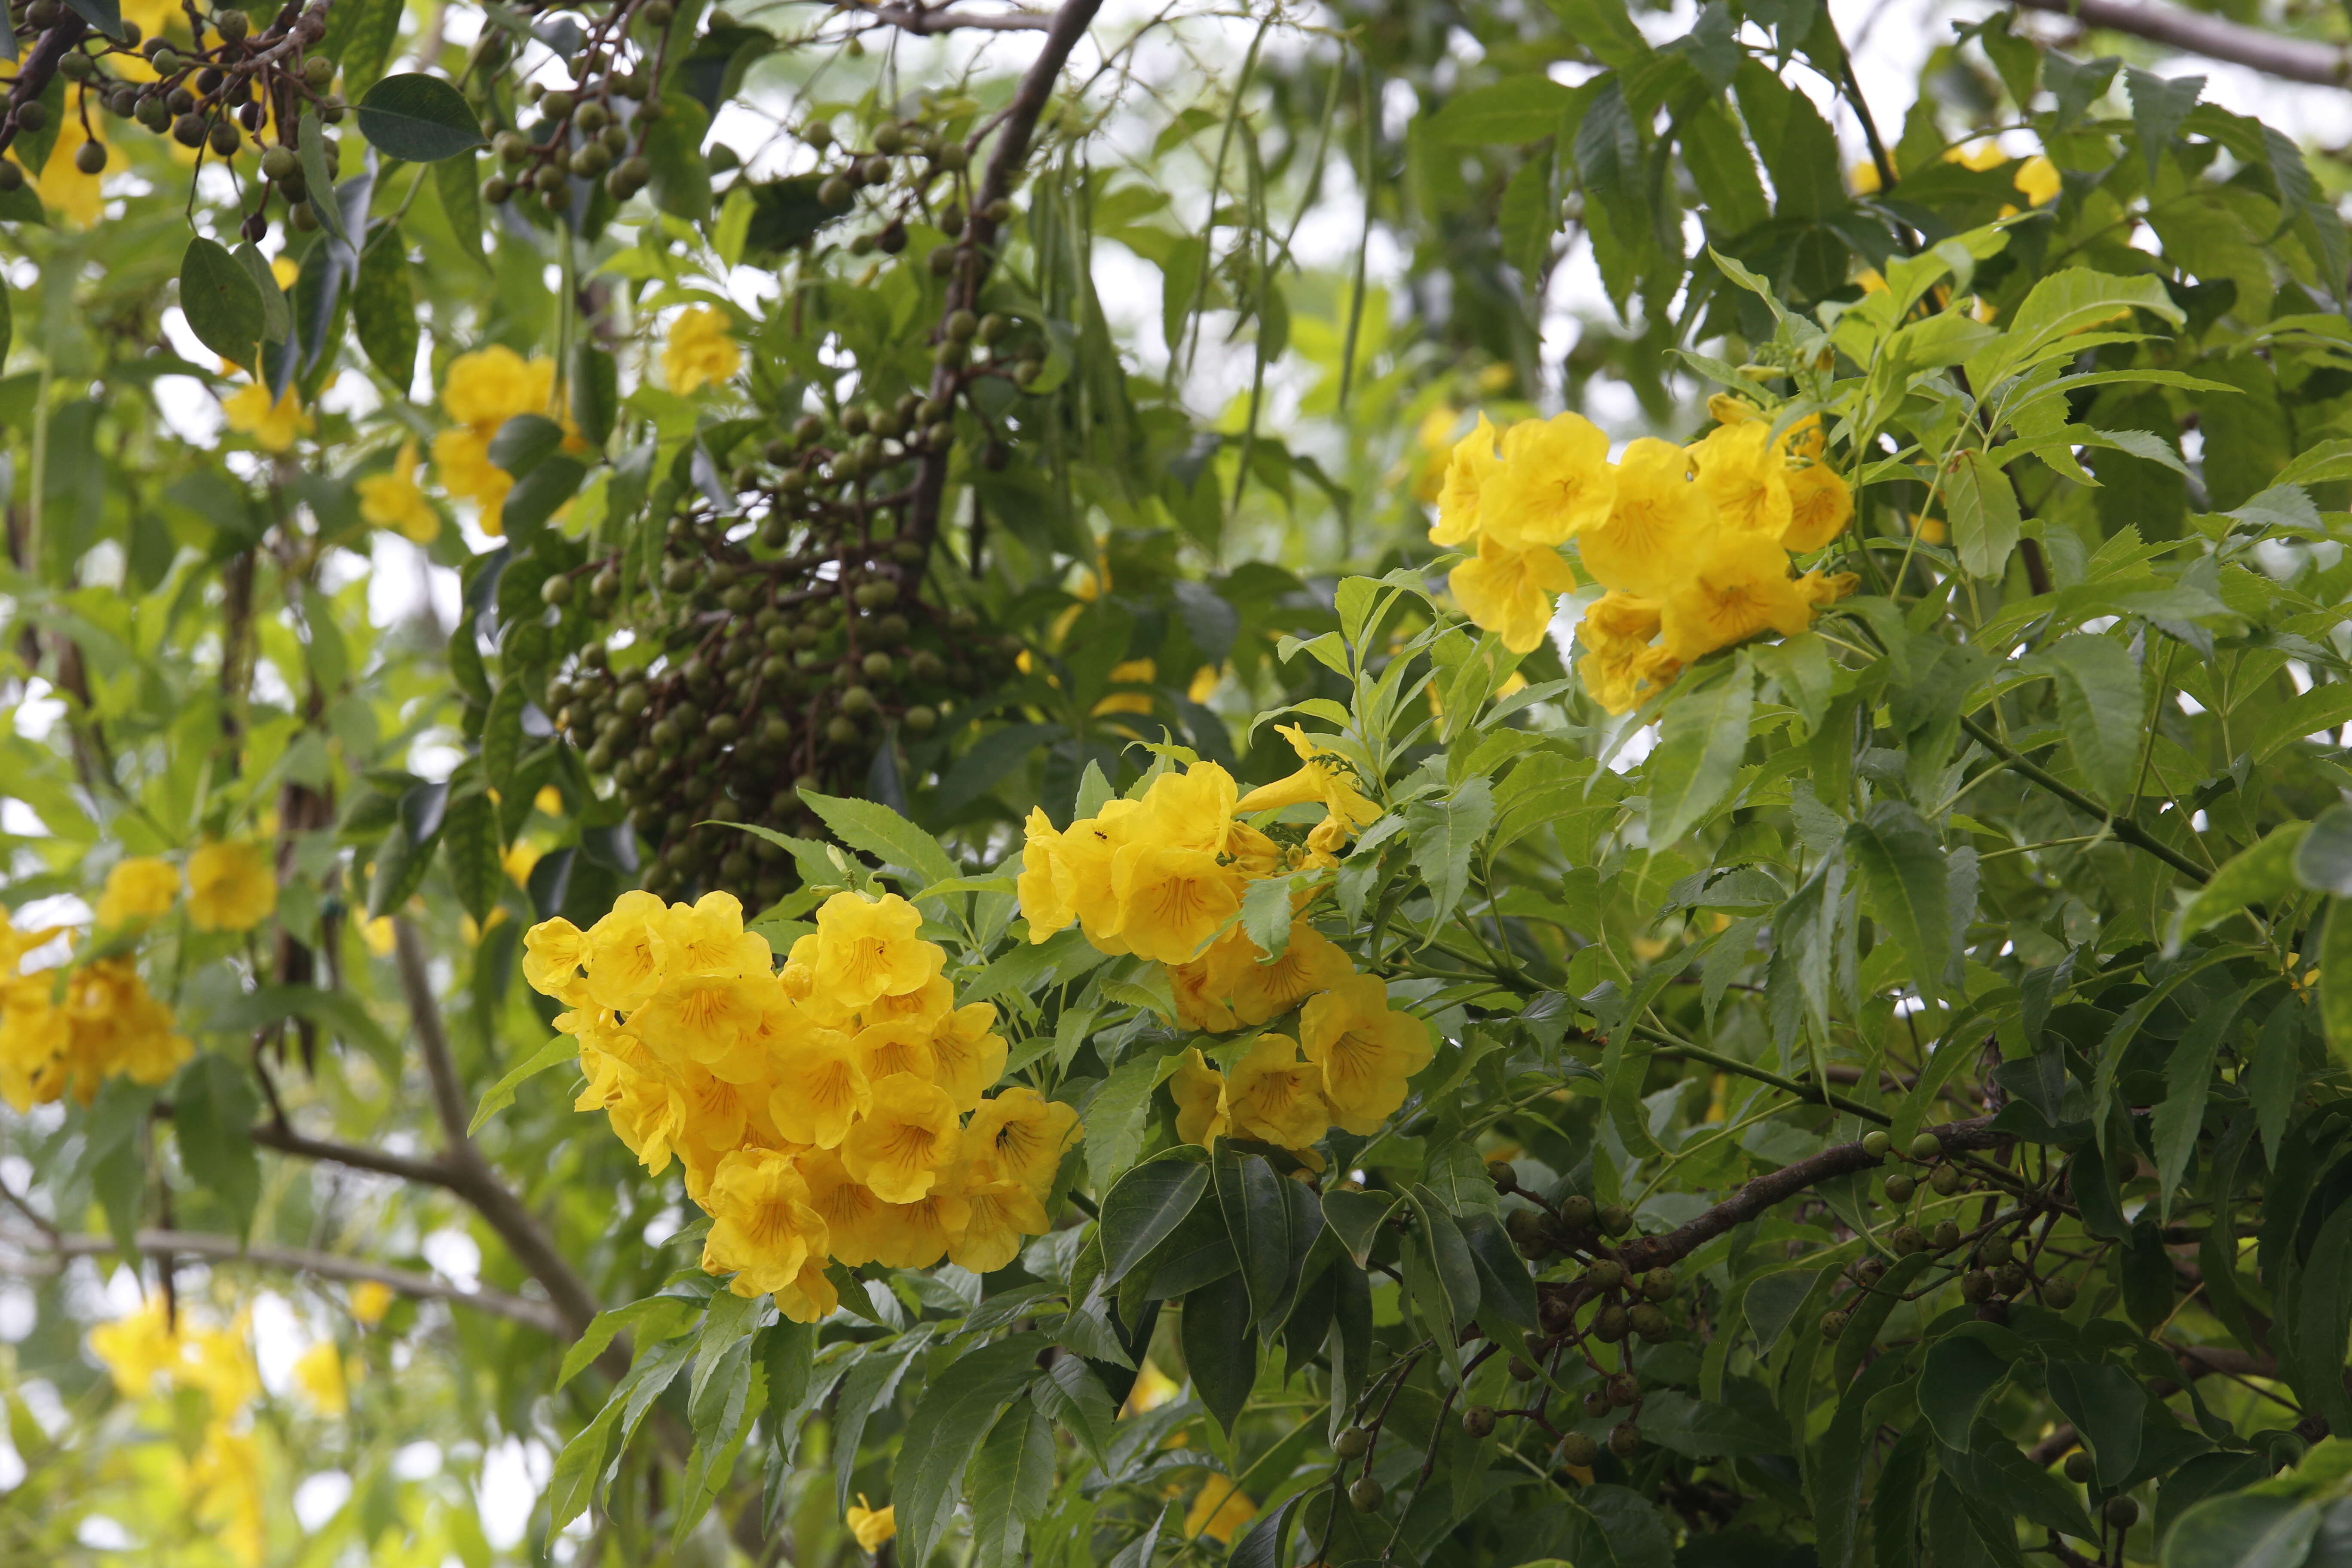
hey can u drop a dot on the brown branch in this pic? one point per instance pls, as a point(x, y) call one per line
point(2296, 60)
point(325, 1265)
point(31, 78)
point(465, 1171)
point(925, 23)
point(1018, 124)
point(401, 1167)
point(1765, 1192)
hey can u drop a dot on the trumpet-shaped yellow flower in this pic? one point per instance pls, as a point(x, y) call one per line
point(1820, 506)
point(811, 1297)
point(319, 1373)
point(461, 461)
point(1740, 587)
point(491, 385)
point(998, 1216)
point(552, 953)
point(1203, 987)
point(1310, 964)
point(138, 888)
point(709, 940)
point(1555, 483)
point(139, 1347)
point(867, 948)
point(1511, 592)
point(624, 959)
point(762, 1226)
point(1219, 1510)
point(1324, 778)
point(820, 1088)
point(872, 1526)
point(1659, 525)
point(1191, 810)
point(1366, 1051)
point(394, 501)
point(967, 1054)
point(917, 1234)
point(1474, 463)
point(1171, 902)
point(1046, 887)
point(1199, 1090)
point(1274, 1098)
point(902, 1144)
point(1745, 478)
point(231, 887)
point(1620, 669)
point(275, 426)
point(1020, 1136)
point(701, 350)
point(848, 1206)
point(370, 1300)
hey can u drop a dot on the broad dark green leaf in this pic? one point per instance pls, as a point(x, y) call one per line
point(1149, 1203)
point(2322, 859)
point(2109, 1410)
point(2244, 1530)
point(383, 306)
point(681, 176)
point(1219, 1349)
point(2259, 874)
point(1263, 1223)
point(469, 849)
point(1444, 834)
point(1903, 870)
point(418, 119)
point(1011, 1478)
point(960, 1405)
point(1958, 1376)
point(1983, 510)
point(1516, 109)
point(2099, 707)
point(1355, 1218)
point(1703, 739)
point(219, 297)
point(214, 1105)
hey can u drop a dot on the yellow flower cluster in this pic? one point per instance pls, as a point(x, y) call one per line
point(75, 1030)
point(1163, 878)
point(231, 886)
point(701, 350)
point(223, 1483)
point(393, 499)
point(818, 1112)
point(275, 426)
point(480, 391)
point(1691, 543)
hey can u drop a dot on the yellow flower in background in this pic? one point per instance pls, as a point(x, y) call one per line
point(872, 1526)
point(224, 1487)
point(1134, 671)
point(138, 888)
point(319, 1373)
point(394, 501)
point(490, 385)
point(370, 1300)
point(274, 427)
point(2038, 181)
point(461, 461)
point(221, 1364)
point(138, 1347)
point(1366, 1051)
point(65, 191)
point(285, 271)
point(1153, 1388)
point(1820, 504)
point(231, 887)
point(548, 802)
point(701, 350)
point(1556, 481)
point(1661, 522)
point(1740, 588)
point(1620, 668)
point(1511, 592)
point(1219, 1510)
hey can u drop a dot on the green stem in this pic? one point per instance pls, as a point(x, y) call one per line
point(2123, 827)
point(1674, 1045)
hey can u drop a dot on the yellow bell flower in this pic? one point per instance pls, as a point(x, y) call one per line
point(902, 1144)
point(1620, 669)
point(319, 1372)
point(1171, 902)
point(1745, 478)
point(1274, 1098)
point(1191, 810)
point(1199, 1090)
point(1366, 1051)
point(1219, 1510)
point(139, 1347)
point(274, 427)
point(967, 1054)
point(461, 461)
point(1661, 522)
point(491, 385)
point(1045, 888)
point(222, 1488)
point(1471, 466)
point(1309, 964)
point(221, 1364)
point(709, 938)
point(138, 888)
point(624, 967)
point(762, 1227)
point(1820, 504)
point(849, 1208)
point(1138, 671)
point(552, 953)
point(701, 350)
point(917, 1234)
point(370, 1300)
point(1203, 987)
point(811, 1297)
point(231, 886)
point(872, 1526)
point(1511, 592)
point(1556, 482)
point(820, 1089)
point(1741, 587)
point(1324, 778)
point(393, 499)
point(866, 949)
point(1020, 1136)
point(999, 1216)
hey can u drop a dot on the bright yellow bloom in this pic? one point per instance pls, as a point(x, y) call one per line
point(231, 886)
point(701, 349)
point(1273, 1097)
point(1219, 1510)
point(762, 1227)
point(998, 1216)
point(492, 384)
point(821, 1090)
point(1191, 810)
point(224, 1489)
point(624, 969)
point(1556, 482)
point(1020, 1136)
point(221, 1364)
point(1660, 524)
point(370, 1300)
point(1620, 669)
point(1324, 778)
point(1741, 587)
point(552, 953)
point(810, 1297)
point(904, 1142)
point(2038, 181)
point(1510, 591)
point(461, 461)
point(1199, 1090)
point(867, 948)
point(967, 1054)
point(1310, 964)
point(138, 888)
point(393, 501)
point(917, 1234)
point(1046, 887)
point(1745, 478)
point(1473, 464)
point(1366, 1051)
point(1202, 986)
point(274, 427)
point(1137, 671)
point(850, 1210)
point(319, 1373)
point(1820, 506)
point(872, 1526)
point(1171, 902)
point(138, 1347)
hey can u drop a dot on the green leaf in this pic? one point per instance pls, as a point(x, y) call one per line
point(1516, 109)
point(1705, 736)
point(2335, 980)
point(212, 1105)
point(681, 185)
point(579, 1468)
point(1702, 1429)
point(2323, 860)
point(106, 15)
point(469, 849)
point(383, 306)
point(879, 831)
point(2159, 106)
point(1148, 1203)
point(1903, 870)
point(1115, 1117)
point(1444, 833)
point(960, 1403)
point(1958, 1375)
point(277, 316)
point(361, 35)
point(1984, 515)
point(319, 180)
point(1214, 1330)
point(2259, 874)
point(1011, 1481)
point(1356, 1218)
point(1448, 1252)
point(219, 297)
point(499, 1095)
point(649, 1320)
point(1266, 914)
point(2188, 1074)
point(2099, 708)
point(2071, 300)
point(1603, 27)
point(2109, 1410)
point(418, 119)
point(522, 444)
point(595, 390)
point(537, 494)
point(2245, 1529)
point(456, 184)
point(1270, 1231)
